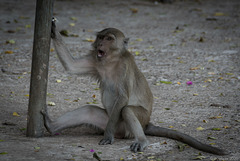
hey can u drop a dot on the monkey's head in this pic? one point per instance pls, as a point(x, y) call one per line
point(109, 42)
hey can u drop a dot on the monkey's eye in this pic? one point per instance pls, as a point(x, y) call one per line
point(109, 38)
point(100, 37)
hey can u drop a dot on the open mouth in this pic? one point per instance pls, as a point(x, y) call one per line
point(101, 53)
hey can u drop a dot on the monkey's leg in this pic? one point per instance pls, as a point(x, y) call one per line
point(134, 126)
point(88, 115)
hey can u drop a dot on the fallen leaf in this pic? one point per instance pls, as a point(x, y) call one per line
point(144, 59)
point(226, 127)
point(201, 39)
point(52, 49)
point(170, 126)
point(219, 14)
point(72, 24)
point(24, 17)
point(181, 146)
point(51, 104)
point(229, 73)
point(200, 157)
point(172, 45)
point(205, 121)
point(195, 94)
point(139, 39)
point(27, 26)
point(96, 156)
point(64, 33)
point(58, 81)
point(211, 73)
point(10, 42)
point(195, 68)
point(15, 114)
point(215, 117)
point(2, 153)
point(73, 18)
point(89, 40)
point(178, 83)
point(216, 129)
point(200, 128)
point(211, 138)
point(134, 10)
point(211, 60)
point(151, 157)
point(208, 80)
point(137, 53)
point(165, 82)
point(8, 52)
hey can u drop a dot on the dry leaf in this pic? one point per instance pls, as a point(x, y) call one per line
point(219, 14)
point(51, 104)
point(200, 128)
point(72, 24)
point(10, 41)
point(58, 81)
point(89, 40)
point(73, 18)
point(195, 68)
point(226, 127)
point(137, 53)
point(139, 39)
point(15, 114)
point(8, 52)
point(134, 10)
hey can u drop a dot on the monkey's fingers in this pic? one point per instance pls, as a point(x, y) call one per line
point(53, 28)
point(105, 141)
point(136, 147)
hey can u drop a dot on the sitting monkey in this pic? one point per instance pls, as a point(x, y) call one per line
point(126, 96)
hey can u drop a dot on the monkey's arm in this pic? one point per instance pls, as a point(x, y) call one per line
point(109, 132)
point(76, 66)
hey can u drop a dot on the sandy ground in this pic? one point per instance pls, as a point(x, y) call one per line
point(192, 40)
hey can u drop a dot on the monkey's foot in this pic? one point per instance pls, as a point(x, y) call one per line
point(47, 122)
point(137, 147)
point(106, 141)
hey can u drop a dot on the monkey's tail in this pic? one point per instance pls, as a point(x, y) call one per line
point(172, 134)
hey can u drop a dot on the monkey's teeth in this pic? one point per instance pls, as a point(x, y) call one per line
point(100, 53)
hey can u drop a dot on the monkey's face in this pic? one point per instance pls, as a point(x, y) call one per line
point(105, 45)
point(109, 43)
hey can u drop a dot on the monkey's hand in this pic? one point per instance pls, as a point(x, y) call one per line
point(107, 140)
point(53, 28)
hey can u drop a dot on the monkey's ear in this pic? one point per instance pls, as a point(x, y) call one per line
point(126, 42)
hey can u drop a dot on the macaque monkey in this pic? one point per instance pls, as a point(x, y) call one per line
point(126, 96)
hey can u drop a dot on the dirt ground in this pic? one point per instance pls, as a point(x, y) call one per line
point(192, 40)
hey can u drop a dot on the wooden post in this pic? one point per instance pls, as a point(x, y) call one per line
point(39, 72)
